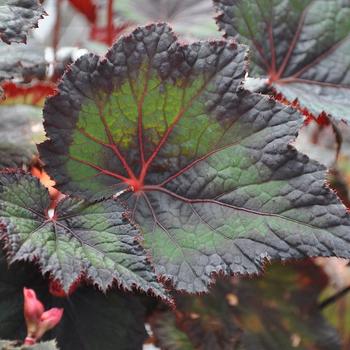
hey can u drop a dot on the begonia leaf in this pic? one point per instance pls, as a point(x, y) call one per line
point(17, 17)
point(302, 46)
point(79, 240)
point(212, 179)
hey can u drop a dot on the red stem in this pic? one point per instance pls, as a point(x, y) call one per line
point(110, 27)
point(56, 33)
point(29, 341)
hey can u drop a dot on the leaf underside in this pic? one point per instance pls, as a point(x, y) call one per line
point(91, 241)
point(17, 17)
point(303, 47)
point(216, 187)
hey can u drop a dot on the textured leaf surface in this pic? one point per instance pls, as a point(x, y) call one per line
point(193, 18)
point(302, 46)
point(94, 241)
point(277, 311)
point(91, 320)
point(20, 129)
point(213, 182)
point(17, 17)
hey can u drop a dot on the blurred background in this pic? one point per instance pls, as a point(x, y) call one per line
point(303, 305)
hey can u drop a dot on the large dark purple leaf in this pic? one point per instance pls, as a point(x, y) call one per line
point(302, 47)
point(212, 179)
point(17, 17)
point(79, 240)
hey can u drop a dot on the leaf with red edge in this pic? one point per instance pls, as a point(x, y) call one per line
point(17, 17)
point(212, 179)
point(79, 240)
point(303, 47)
point(86, 7)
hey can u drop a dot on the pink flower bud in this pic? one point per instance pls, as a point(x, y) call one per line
point(49, 319)
point(33, 310)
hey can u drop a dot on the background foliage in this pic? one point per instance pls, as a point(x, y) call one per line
point(293, 305)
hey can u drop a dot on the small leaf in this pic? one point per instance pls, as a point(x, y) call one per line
point(17, 17)
point(303, 47)
point(94, 241)
point(216, 186)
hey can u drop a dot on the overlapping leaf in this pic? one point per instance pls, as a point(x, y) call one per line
point(214, 183)
point(302, 46)
point(80, 240)
point(17, 17)
point(120, 317)
point(276, 311)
